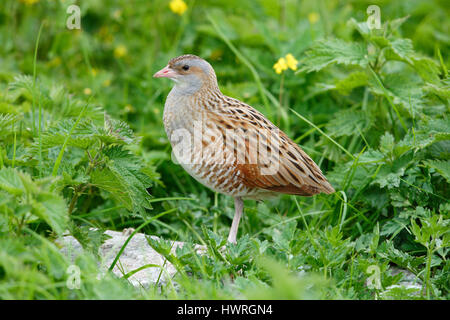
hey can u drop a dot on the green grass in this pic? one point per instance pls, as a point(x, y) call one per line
point(82, 145)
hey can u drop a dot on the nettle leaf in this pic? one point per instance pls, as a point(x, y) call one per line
point(52, 209)
point(389, 175)
point(361, 27)
point(427, 68)
point(283, 238)
point(352, 81)
point(442, 167)
point(330, 51)
point(44, 204)
point(86, 134)
point(371, 157)
point(427, 133)
point(124, 176)
point(105, 179)
point(115, 130)
point(11, 182)
point(441, 90)
point(440, 150)
point(372, 35)
point(64, 107)
point(403, 88)
point(399, 200)
point(396, 23)
point(81, 137)
point(387, 143)
point(388, 251)
point(349, 122)
point(402, 49)
point(386, 177)
point(91, 239)
point(390, 149)
point(393, 226)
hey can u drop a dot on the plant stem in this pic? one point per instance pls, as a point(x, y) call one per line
point(34, 76)
point(386, 94)
point(1, 158)
point(63, 148)
point(244, 60)
point(76, 195)
point(323, 133)
point(428, 274)
point(280, 99)
point(14, 149)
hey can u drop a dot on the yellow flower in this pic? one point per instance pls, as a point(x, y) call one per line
point(117, 14)
point(280, 66)
point(106, 83)
point(56, 61)
point(129, 108)
point(313, 17)
point(87, 91)
point(291, 61)
point(29, 2)
point(105, 34)
point(120, 51)
point(216, 54)
point(178, 6)
point(94, 72)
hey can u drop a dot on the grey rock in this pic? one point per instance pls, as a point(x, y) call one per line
point(409, 280)
point(137, 253)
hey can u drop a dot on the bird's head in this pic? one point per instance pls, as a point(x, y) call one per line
point(190, 73)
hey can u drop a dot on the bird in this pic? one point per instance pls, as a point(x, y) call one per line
point(229, 146)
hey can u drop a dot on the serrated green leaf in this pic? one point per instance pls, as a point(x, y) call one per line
point(427, 133)
point(125, 178)
point(352, 81)
point(404, 89)
point(442, 91)
point(361, 27)
point(10, 181)
point(371, 156)
point(106, 179)
point(349, 122)
point(427, 68)
point(390, 173)
point(387, 143)
point(396, 23)
point(81, 137)
point(442, 167)
point(402, 48)
point(329, 51)
point(48, 206)
point(52, 209)
point(86, 134)
point(386, 178)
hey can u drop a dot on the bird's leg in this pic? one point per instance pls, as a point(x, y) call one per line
point(239, 209)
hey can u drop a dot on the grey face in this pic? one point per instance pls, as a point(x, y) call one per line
point(192, 74)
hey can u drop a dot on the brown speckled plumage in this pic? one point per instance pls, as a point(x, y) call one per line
point(235, 169)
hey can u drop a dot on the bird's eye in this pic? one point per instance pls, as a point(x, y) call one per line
point(185, 67)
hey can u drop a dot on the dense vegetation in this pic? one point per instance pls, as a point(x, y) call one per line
point(82, 146)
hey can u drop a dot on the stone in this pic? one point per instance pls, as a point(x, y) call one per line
point(136, 254)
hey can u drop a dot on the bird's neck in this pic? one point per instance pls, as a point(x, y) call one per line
point(205, 86)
